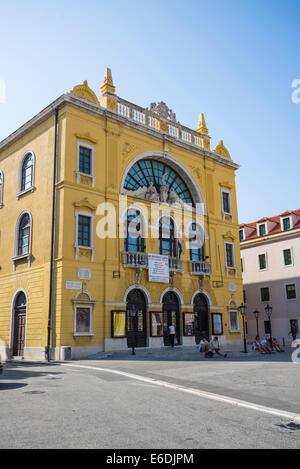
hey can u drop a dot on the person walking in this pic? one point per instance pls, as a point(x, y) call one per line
point(172, 334)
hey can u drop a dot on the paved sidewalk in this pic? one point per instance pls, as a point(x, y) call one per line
point(179, 353)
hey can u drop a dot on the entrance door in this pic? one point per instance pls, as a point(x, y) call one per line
point(201, 318)
point(171, 317)
point(19, 325)
point(136, 319)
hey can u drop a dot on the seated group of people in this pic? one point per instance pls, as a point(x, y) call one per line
point(211, 348)
point(266, 345)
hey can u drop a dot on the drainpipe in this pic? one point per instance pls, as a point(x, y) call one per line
point(52, 235)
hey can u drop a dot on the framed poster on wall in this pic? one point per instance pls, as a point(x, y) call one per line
point(156, 322)
point(217, 324)
point(118, 324)
point(189, 324)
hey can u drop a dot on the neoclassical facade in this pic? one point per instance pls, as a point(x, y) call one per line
point(116, 222)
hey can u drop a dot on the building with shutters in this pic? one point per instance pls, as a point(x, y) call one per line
point(270, 257)
point(116, 221)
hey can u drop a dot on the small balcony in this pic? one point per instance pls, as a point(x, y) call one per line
point(140, 259)
point(135, 259)
point(199, 268)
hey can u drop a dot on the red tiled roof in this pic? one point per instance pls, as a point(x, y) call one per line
point(275, 220)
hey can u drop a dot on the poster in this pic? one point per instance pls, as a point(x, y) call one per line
point(119, 324)
point(158, 270)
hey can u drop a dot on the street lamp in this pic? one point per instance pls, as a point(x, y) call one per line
point(268, 310)
point(242, 310)
point(256, 314)
point(132, 313)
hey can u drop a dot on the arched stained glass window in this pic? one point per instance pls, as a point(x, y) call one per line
point(144, 172)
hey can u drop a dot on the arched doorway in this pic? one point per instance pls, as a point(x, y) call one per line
point(19, 323)
point(136, 319)
point(201, 317)
point(171, 316)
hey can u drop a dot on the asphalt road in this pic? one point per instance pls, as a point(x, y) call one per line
point(62, 406)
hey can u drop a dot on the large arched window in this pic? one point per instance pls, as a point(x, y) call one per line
point(27, 173)
point(167, 241)
point(24, 235)
point(134, 241)
point(196, 239)
point(149, 173)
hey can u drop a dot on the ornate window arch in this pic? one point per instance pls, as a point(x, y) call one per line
point(26, 173)
point(143, 179)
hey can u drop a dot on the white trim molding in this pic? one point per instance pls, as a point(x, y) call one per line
point(12, 319)
point(174, 290)
point(137, 287)
point(224, 191)
point(202, 292)
point(1, 188)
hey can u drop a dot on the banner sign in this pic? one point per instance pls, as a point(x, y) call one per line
point(158, 268)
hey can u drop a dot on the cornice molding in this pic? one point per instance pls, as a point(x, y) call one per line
point(106, 113)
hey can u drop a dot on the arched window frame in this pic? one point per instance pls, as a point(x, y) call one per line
point(22, 191)
point(140, 240)
point(17, 256)
point(172, 238)
point(1, 188)
point(197, 254)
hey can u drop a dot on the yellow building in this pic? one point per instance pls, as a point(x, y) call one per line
point(138, 231)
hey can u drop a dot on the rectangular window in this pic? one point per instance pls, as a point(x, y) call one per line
point(244, 297)
point(286, 224)
point(265, 294)
point(229, 255)
point(84, 160)
point(262, 262)
point(241, 233)
point(189, 324)
point(267, 327)
point(242, 266)
point(83, 319)
point(226, 202)
point(84, 231)
point(291, 292)
point(234, 321)
point(217, 324)
point(262, 230)
point(118, 324)
point(287, 256)
point(156, 322)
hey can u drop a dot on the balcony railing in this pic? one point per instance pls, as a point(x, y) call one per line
point(135, 259)
point(140, 259)
point(174, 263)
point(199, 268)
point(149, 119)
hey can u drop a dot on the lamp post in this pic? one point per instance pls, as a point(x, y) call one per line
point(256, 314)
point(268, 310)
point(132, 312)
point(242, 310)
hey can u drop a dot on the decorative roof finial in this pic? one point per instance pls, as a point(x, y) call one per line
point(202, 129)
point(108, 85)
point(221, 149)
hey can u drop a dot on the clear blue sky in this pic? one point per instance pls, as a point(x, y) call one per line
point(234, 60)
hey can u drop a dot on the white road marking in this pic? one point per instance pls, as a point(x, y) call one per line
point(197, 392)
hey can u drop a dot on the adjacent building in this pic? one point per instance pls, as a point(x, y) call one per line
point(116, 221)
point(270, 259)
